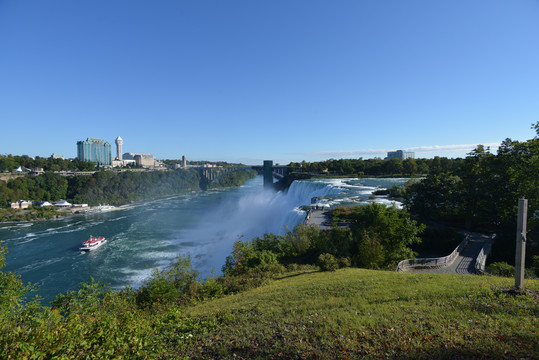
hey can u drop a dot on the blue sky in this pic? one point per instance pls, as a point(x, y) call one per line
point(243, 81)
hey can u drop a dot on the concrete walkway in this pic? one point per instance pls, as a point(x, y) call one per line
point(464, 263)
point(319, 218)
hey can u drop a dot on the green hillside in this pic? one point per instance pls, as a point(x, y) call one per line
point(346, 314)
point(355, 312)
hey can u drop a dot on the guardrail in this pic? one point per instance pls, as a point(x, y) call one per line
point(482, 257)
point(437, 262)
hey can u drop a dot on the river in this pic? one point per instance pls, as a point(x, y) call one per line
point(150, 235)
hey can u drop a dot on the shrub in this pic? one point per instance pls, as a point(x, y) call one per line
point(85, 300)
point(371, 255)
point(169, 284)
point(501, 269)
point(327, 262)
point(271, 269)
point(245, 257)
point(301, 267)
point(344, 262)
point(298, 241)
point(211, 289)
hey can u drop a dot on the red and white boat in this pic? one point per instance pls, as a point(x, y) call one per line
point(92, 243)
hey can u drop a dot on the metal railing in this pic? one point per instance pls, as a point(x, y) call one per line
point(436, 262)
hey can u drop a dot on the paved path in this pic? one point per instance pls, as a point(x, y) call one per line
point(464, 263)
point(319, 218)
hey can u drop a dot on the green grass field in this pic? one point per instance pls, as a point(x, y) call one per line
point(354, 313)
point(347, 314)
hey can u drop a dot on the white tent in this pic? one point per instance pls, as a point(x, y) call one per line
point(62, 203)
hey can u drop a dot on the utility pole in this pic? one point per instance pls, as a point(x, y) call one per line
point(521, 243)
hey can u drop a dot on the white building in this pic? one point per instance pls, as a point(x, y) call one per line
point(400, 154)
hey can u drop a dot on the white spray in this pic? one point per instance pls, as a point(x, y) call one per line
point(249, 216)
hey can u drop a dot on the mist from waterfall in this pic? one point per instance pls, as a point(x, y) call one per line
point(250, 215)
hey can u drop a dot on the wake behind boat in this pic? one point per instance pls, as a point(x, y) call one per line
point(92, 243)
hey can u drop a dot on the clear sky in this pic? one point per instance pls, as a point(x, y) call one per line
point(287, 80)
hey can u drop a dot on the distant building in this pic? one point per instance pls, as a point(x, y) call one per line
point(95, 150)
point(129, 156)
point(37, 171)
point(54, 156)
point(119, 141)
point(184, 161)
point(144, 160)
point(400, 154)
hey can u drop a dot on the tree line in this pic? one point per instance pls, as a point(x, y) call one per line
point(380, 167)
point(11, 162)
point(112, 187)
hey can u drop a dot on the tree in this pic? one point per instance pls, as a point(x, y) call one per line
point(436, 197)
point(409, 166)
point(370, 254)
point(393, 166)
point(391, 227)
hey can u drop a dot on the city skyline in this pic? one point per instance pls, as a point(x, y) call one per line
point(244, 82)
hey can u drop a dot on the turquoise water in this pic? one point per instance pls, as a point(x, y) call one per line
point(150, 235)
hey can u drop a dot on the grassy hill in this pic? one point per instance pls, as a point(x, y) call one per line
point(346, 314)
point(354, 312)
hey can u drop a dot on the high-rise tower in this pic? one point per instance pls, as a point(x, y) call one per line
point(119, 142)
point(95, 150)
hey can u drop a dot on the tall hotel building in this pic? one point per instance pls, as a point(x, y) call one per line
point(95, 150)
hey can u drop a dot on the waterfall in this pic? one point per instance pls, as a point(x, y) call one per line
point(251, 215)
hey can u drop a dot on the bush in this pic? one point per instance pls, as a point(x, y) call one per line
point(344, 262)
point(169, 284)
point(501, 269)
point(504, 269)
point(371, 255)
point(271, 269)
point(301, 267)
point(327, 262)
point(211, 289)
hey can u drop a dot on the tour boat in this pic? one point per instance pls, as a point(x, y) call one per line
point(92, 243)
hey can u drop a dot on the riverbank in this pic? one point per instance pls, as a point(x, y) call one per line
point(48, 213)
